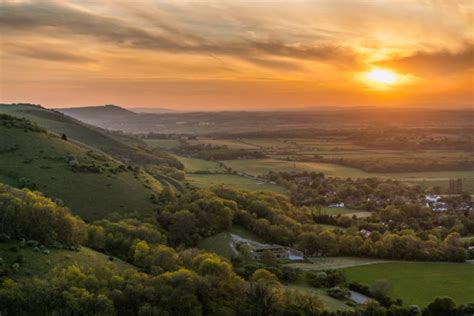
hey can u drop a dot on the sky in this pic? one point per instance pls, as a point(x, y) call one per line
point(238, 55)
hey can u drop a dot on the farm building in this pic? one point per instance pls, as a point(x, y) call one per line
point(280, 252)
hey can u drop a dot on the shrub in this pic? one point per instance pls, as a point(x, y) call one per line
point(339, 293)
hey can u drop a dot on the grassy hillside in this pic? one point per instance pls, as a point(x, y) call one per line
point(92, 184)
point(222, 243)
point(59, 123)
point(421, 282)
point(40, 262)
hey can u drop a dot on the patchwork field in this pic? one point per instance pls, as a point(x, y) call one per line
point(233, 181)
point(230, 143)
point(421, 282)
point(262, 166)
point(199, 165)
point(162, 143)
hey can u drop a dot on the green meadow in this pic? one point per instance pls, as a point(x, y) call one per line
point(231, 181)
point(420, 282)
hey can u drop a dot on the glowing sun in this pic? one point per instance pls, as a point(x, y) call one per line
point(382, 76)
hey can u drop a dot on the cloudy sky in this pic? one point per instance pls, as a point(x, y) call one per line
point(209, 55)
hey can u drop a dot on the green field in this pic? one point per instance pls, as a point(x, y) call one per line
point(344, 211)
point(200, 165)
point(331, 263)
point(38, 263)
point(162, 143)
point(329, 302)
point(419, 283)
point(233, 181)
point(230, 143)
point(43, 159)
point(263, 166)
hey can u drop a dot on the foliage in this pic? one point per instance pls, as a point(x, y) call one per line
point(26, 214)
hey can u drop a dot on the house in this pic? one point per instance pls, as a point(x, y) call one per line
point(280, 252)
point(294, 254)
point(365, 233)
point(440, 207)
point(431, 198)
point(464, 207)
point(337, 205)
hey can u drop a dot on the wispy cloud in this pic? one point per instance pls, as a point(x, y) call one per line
point(55, 19)
point(435, 62)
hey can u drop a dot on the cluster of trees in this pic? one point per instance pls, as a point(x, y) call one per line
point(29, 215)
point(9, 121)
point(404, 245)
point(202, 284)
point(215, 152)
point(194, 215)
point(405, 164)
point(311, 188)
point(273, 218)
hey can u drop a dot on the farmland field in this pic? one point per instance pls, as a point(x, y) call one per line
point(162, 143)
point(262, 166)
point(232, 181)
point(330, 263)
point(196, 165)
point(232, 144)
point(419, 283)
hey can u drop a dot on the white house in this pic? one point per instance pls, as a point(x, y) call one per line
point(431, 198)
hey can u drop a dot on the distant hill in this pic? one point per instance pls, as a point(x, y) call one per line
point(100, 112)
point(153, 110)
point(91, 183)
point(117, 145)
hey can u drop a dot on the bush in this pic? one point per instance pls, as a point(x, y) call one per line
point(339, 293)
point(4, 237)
point(32, 243)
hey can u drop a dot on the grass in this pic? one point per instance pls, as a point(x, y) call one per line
point(329, 302)
point(43, 159)
point(433, 178)
point(77, 131)
point(39, 264)
point(162, 143)
point(221, 243)
point(262, 166)
point(421, 282)
point(196, 165)
point(344, 211)
point(230, 143)
point(331, 263)
point(233, 181)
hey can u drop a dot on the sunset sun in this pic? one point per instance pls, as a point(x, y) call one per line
point(382, 76)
